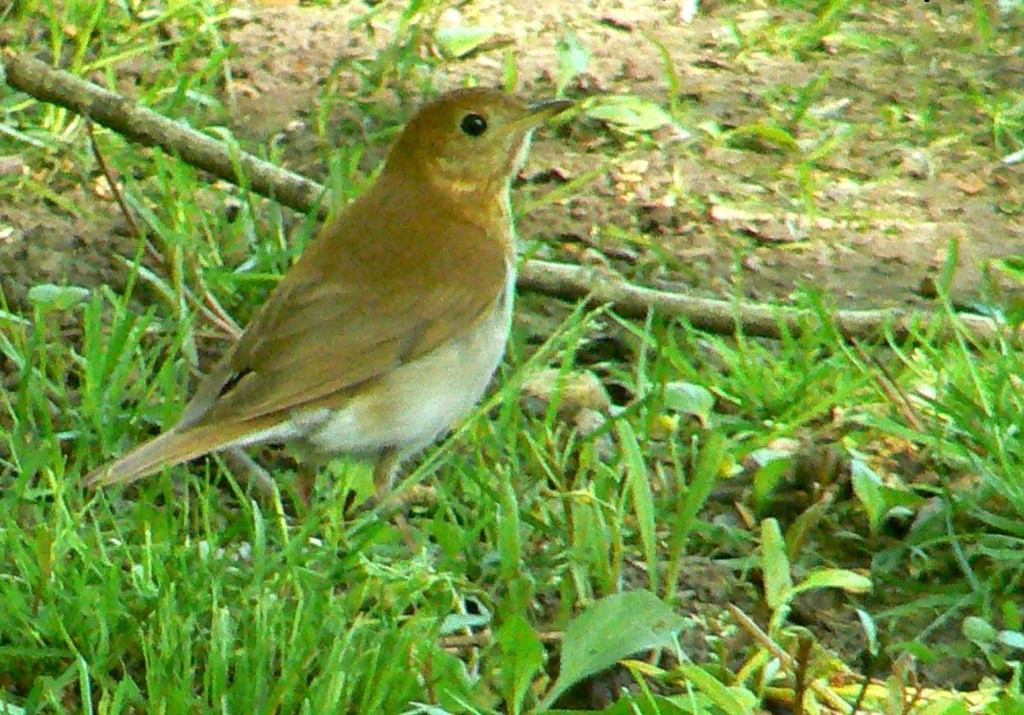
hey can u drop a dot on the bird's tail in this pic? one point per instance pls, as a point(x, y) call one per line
point(166, 450)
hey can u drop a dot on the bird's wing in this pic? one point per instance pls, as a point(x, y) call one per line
point(339, 320)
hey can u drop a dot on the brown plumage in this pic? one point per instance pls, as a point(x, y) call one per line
point(399, 306)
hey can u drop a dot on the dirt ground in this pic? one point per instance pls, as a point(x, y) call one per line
point(869, 223)
point(699, 216)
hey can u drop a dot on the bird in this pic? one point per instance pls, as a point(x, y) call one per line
point(389, 327)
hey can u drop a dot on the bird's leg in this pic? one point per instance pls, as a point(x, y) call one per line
point(258, 481)
point(384, 473)
point(305, 481)
point(383, 480)
point(249, 472)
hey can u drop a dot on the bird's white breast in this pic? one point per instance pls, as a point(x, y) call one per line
point(411, 406)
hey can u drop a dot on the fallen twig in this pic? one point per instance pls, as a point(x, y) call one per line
point(819, 686)
point(209, 306)
point(757, 319)
point(146, 127)
point(555, 279)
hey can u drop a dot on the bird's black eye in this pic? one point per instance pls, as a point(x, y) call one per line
point(473, 124)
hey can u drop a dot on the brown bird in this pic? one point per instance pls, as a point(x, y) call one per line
point(389, 327)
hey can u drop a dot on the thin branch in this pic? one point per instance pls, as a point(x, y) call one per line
point(895, 394)
point(101, 162)
point(146, 127)
point(555, 279)
point(756, 319)
point(209, 306)
point(820, 687)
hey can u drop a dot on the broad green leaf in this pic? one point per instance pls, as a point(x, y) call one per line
point(522, 656)
point(978, 630)
point(455, 42)
point(9, 317)
point(628, 113)
point(804, 524)
point(735, 701)
point(810, 703)
point(877, 498)
point(611, 629)
point(690, 399)
point(1014, 639)
point(455, 684)
point(1011, 616)
point(49, 297)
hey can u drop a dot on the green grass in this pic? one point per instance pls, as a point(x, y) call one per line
point(801, 468)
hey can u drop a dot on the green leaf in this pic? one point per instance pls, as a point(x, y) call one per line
point(803, 525)
point(1014, 639)
point(645, 703)
point(635, 704)
point(49, 297)
point(731, 700)
point(455, 42)
point(947, 706)
point(639, 484)
point(1011, 615)
point(573, 58)
point(713, 454)
point(10, 708)
point(690, 399)
point(773, 464)
point(628, 113)
point(754, 136)
point(522, 656)
point(778, 584)
point(611, 629)
point(455, 622)
point(979, 631)
point(849, 581)
point(870, 630)
point(510, 546)
point(867, 486)
point(877, 498)
point(896, 497)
